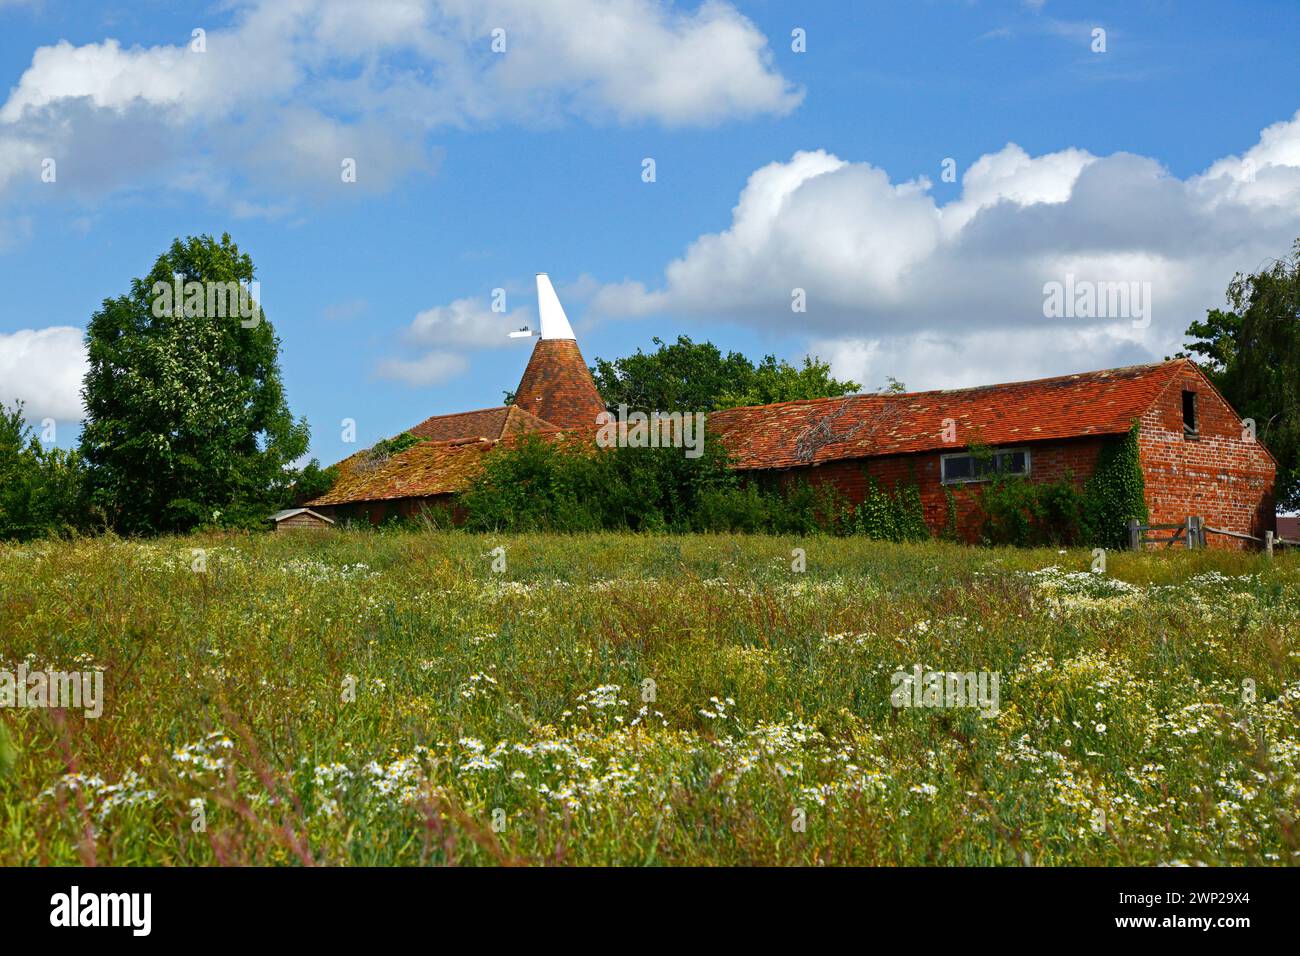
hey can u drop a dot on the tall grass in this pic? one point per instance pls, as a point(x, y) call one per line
point(505, 717)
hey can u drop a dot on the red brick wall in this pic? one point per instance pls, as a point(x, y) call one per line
point(1218, 475)
point(1049, 461)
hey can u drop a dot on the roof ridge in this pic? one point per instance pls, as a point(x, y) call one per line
point(1151, 366)
point(451, 442)
point(516, 410)
point(472, 411)
point(895, 396)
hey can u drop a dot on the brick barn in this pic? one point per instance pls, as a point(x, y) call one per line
point(1195, 454)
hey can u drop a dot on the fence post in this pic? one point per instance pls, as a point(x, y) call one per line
point(1268, 543)
point(1191, 532)
point(1134, 535)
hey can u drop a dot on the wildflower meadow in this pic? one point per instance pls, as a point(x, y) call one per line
point(425, 697)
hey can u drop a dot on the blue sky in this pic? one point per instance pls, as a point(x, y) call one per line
point(1145, 163)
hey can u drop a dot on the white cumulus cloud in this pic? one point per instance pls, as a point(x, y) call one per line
point(448, 331)
point(329, 79)
point(952, 292)
point(432, 368)
point(43, 368)
point(467, 323)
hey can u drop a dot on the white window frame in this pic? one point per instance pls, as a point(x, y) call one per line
point(943, 466)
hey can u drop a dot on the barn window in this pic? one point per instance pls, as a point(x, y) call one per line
point(961, 468)
point(1189, 414)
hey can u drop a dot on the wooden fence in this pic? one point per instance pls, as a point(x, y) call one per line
point(1192, 533)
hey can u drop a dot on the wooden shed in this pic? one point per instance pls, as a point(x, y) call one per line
point(300, 519)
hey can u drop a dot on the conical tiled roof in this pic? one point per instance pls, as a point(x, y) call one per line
point(556, 393)
point(557, 386)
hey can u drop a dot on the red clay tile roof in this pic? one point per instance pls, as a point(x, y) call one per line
point(421, 471)
point(444, 462)
point(484, 423)
point(429, 468)
point(861, 426)
point(783, 435)
point(557, 386)
point(555, 383)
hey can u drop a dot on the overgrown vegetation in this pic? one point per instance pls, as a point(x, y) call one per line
point(571, 485)
point(1018, 511)
point(374, 699)
point(545, 485)
point(1114, 493)
point(385, 448)
point(378, 454)
point(42, 490)
point(891, 516)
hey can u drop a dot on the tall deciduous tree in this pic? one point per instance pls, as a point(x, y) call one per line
point(689, 376)
point(1251, 351)
point(186, 419)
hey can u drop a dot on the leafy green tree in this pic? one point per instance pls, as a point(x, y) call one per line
point(1251, 351)
point(690, 376)
point(312, 481)
point(779, 381)
point(187, 422)
point(42, 491)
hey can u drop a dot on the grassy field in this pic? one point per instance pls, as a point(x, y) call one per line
point(362, 698)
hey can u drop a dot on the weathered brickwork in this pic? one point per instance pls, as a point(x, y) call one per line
point(1048, 461)
point(1218, 474)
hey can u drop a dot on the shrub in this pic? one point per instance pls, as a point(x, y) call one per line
point(1030, 514)
point(743, 508)
point(42, 491)
point(899, 516)
point(536, 485)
